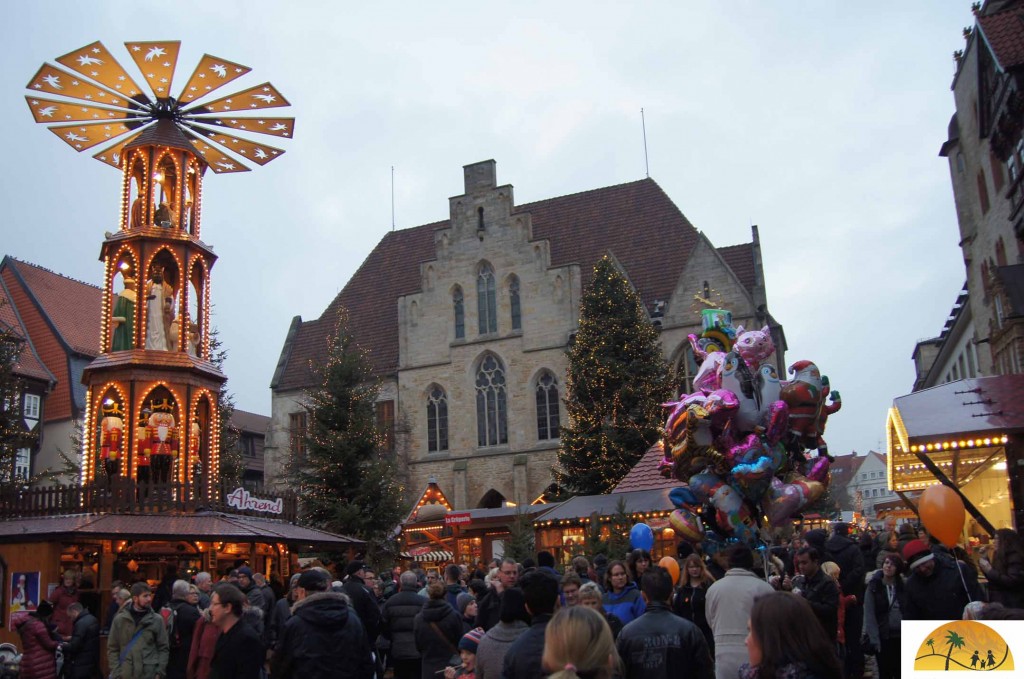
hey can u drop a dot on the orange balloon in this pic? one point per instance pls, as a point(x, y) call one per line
point(942, 513)
point(672, 566)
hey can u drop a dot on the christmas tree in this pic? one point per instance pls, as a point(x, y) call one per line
point(232, 464)
point(347, 475)
point(617, 382)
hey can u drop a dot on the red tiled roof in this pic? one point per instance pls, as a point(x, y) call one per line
point(72, 306)
point(1004, 32)
point(637, 222)
point(740, 259)
point(28, 363)
point(843, 469)
point(645, 475)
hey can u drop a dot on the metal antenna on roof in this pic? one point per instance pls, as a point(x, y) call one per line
point(643, 123)
point(392, 197)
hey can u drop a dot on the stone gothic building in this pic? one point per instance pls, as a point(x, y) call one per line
point(467, 322)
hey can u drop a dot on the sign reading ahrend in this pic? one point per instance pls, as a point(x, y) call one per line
point(241, 499)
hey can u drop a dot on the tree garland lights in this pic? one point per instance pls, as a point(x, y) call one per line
point(617, 381)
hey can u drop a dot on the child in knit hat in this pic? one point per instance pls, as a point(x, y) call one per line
point(467, 652)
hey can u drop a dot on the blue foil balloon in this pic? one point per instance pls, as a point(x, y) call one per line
point(641, 537)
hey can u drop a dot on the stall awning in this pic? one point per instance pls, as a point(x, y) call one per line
point(198, 526)
point(583, 506)
point(437, 555)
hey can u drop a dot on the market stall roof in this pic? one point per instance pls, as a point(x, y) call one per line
point(486, 515)
point(975, 405)
point(583, 506)
point(645, 474)
point(197, 526)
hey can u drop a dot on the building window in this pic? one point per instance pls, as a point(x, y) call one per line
point(997, 171)
point(22, 464)
point(491, 404)
point(486, 300)
point(982, 193)
point(32, 402)
point(864, 476)
point(513, 300)
point(459, 307)
point(547, 407)
point(385, 414)
point(437, 421)
point(297, 434)
point(686, 370)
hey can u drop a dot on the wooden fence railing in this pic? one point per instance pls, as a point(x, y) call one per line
point(127, 496)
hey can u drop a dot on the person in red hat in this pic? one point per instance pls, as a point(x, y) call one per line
point(932, 572)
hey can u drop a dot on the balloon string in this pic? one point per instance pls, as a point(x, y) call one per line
point(963, 580)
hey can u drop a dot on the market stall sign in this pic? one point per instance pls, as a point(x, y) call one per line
point(241, 499)
point(420, 551)
point(455, 519)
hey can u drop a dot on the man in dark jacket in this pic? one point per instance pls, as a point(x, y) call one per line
point(488, 607)
point(935, 587)
point(248, 586)
point(239, 651)
point(848, 555)
point(82, 653)
point(323, 639)
point(660, 644)
point(397, 626)
point(362, 600)
point(523, 658)
point(452, 585)
point(185, 616)
point(819, 589)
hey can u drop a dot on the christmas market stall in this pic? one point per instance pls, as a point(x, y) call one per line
point(969, 436)
point(434, 534)
point(641, 496)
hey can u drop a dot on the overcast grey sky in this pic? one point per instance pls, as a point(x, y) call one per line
point(818, 121)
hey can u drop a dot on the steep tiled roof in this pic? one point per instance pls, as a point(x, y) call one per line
point(637, 222)
point(1004, 32)
point(740, 259)
point(246, 421)
point(28, 363)
point(644, 475)
point(73, 307)
point(843, 469)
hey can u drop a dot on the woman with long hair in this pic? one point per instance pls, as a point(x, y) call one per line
point(578, 643)
point(884, 600)
point(689, 598)
point(784, 644)
point(637, 561)
point(887, 543)
point(622, 597)
point(1005, 570)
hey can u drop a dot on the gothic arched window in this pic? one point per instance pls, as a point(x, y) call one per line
point(486, 300)
point(460, 313)
point(491, 403)
point(513, 300)
point(547, 407)
point(437, 421)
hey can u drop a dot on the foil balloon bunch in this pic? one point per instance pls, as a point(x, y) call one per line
point(741, 443)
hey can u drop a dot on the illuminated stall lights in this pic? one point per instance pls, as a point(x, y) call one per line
point(986, 442)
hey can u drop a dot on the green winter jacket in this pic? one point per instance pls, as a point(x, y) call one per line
point(147, 658)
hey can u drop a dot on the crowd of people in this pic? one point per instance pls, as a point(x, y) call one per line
point(812, 607)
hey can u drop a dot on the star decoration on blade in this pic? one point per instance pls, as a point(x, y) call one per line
point(98, 102)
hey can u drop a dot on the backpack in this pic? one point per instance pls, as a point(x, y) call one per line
point(170, 615)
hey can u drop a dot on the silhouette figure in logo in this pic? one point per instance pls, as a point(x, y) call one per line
point(991, 659)
point(974, 660)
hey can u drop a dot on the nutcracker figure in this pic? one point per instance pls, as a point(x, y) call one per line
point(112, 439)
point(143, 450)
point(163, 438)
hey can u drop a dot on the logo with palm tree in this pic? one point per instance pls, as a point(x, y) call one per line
point(964, 645)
